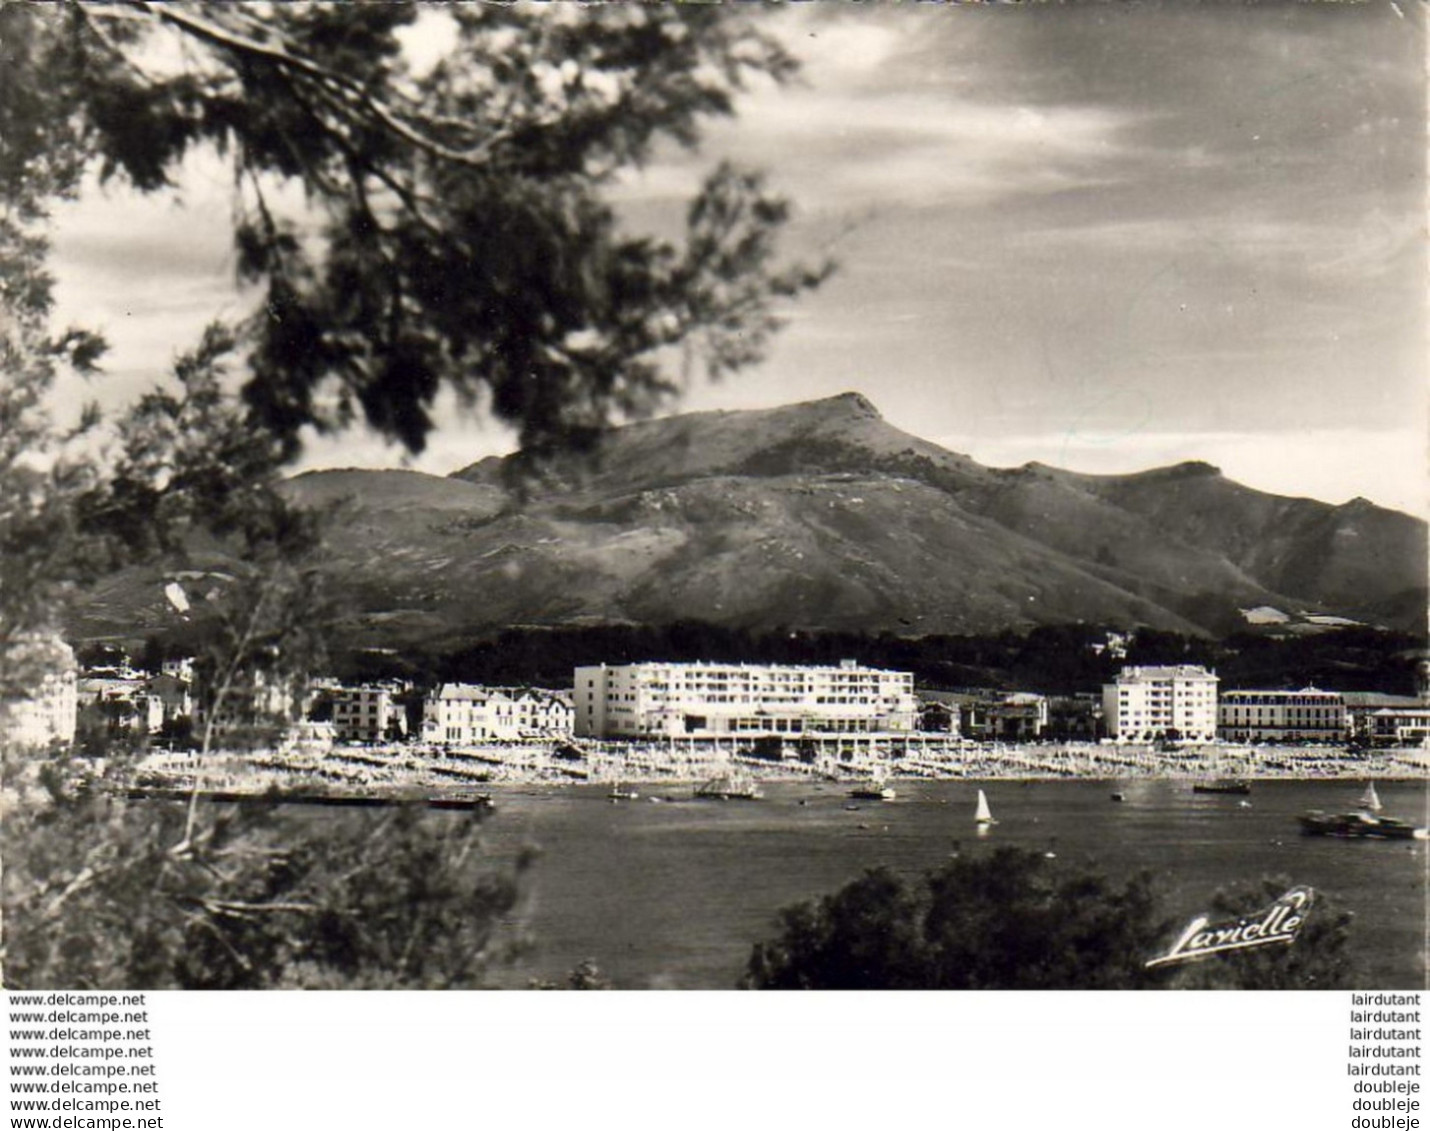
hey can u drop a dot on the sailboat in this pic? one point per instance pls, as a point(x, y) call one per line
point(984, 815)
point(1370, 800)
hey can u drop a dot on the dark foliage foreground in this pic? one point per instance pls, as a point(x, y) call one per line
point(1016, 920)
point(103, 893)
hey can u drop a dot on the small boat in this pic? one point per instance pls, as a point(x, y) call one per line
point(461, 801)
point(621, 792)
point(1119, 797)
point(1222, 786)
point(983, 815)
point(730, 787)
point(1359, 826)
point(873, 791)
point(1370, 800)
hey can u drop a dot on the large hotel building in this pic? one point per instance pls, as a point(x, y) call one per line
point(659, 700)
point(1150, 703)
point(1308, 715)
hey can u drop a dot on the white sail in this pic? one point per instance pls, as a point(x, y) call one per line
point(984, 815)
point(1370, 800)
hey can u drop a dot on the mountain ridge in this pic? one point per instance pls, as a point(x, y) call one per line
point(822, 515)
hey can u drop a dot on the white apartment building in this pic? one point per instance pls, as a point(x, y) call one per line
point(709, 699)
point(1308, 715)
point(366, 714)
point(45, 715)
point(463, 714)
point(1150, 703)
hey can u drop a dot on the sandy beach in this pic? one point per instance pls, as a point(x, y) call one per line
point(404, 767)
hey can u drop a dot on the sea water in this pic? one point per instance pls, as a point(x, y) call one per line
point(670, 892)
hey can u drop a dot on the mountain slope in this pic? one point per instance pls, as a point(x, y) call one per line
point(822, 515)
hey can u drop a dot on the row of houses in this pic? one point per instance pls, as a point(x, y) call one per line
point(645, 701)
point(454, 714)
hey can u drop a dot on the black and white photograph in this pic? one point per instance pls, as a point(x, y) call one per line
point(714, 497)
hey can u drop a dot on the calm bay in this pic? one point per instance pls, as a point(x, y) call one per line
point(669, 892)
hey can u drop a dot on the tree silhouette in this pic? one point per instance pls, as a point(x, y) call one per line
point(456, 229)
point(456, 232)
point(1014, 919)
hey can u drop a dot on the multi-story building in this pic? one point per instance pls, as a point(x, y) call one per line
point(547, 713)
point(711, 700)
point(1400, 726)
point(461, 714)
point(367, 714)
point(41, 711)
point(1369, 713)
point(1177, 702)
point(251, 710)
point(175, 696)
point(937, 716)
point(1308, 715)
point(120, 705)
point(1018, 716)
point(1075, 718)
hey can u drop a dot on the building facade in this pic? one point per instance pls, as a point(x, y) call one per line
point(1075, 718)
point(367, 714)
point(252, 712)
point(463, 714)
point(1400, 726)
point(1148, 704)
point(650, 700)
point(1020, 716)
point(1370, 714)
point(43, 712)
point(1308, 715)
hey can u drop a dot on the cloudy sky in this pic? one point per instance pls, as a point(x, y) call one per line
point(1104, 236)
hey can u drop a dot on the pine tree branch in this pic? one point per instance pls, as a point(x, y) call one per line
point(358, 102)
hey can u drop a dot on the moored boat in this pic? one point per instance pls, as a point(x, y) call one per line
point(461, 801)
point(730, 787)
point(1359, 826)
point(1222, 786)
point(875, 789)
point(280, 796)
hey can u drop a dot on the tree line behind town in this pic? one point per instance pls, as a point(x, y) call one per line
point(1055, 660)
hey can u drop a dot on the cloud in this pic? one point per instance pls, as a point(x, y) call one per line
point(1357, 245)
point(838, 148)
point(1151, 220)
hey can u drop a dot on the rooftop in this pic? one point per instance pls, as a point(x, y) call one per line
point(1170, 671)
